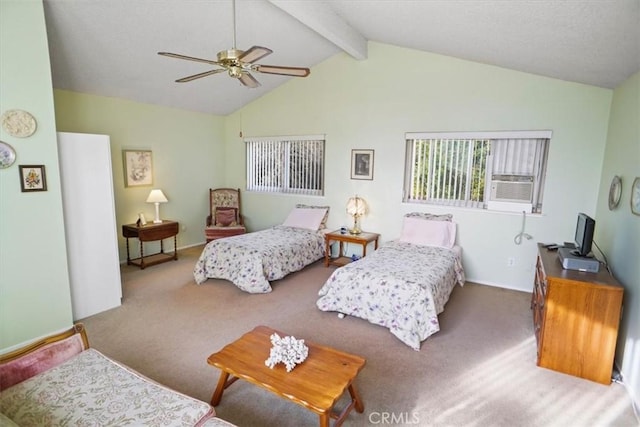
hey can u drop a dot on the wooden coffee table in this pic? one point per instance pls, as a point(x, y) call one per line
point(317, 383)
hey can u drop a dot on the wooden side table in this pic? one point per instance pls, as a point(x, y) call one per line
point(363, 239)
point(149, 233)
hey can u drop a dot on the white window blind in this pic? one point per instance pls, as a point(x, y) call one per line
point(286, 164)
point(456, 169)
point(447, 171)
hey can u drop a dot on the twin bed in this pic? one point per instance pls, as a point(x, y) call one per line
point(402, 286)
point(250, 261)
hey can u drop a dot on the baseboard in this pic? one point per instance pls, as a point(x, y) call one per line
point(635, 400)
point(193, 245)
point(496, 285)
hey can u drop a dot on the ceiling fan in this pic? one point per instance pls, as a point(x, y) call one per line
point(238, 63)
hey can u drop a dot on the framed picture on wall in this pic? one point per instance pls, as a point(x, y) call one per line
point(32, 178)
point(361, 164)
point(138, 168)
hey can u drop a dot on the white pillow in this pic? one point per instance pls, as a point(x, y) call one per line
point(323, 224)
point(428, 233)
point(309, 218)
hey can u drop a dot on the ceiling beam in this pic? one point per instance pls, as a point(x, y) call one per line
point(323, 20)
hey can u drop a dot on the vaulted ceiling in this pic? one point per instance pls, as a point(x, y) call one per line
point(109, 47)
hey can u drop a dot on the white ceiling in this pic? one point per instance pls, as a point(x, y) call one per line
point(109, 47)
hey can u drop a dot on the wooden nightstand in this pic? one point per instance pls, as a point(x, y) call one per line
point(363, 239)
point(149, 233)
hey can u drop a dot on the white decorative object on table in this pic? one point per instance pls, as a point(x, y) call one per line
point(287, 350)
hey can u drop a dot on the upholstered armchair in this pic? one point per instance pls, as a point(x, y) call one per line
point(225, 217)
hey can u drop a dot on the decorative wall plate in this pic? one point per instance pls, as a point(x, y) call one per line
point(7, 155)
point(615, 191)
point(635, 196)
point(18, 123)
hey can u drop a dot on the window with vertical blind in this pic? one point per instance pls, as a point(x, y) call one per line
point(286, 164)
point(484, 170)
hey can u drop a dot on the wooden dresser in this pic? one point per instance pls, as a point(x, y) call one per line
point(575, 317)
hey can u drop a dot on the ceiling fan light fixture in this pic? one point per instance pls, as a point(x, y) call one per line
point(235, 72)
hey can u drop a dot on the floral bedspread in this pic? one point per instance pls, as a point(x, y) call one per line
point(251, 260)
point(93, 390)
point(400, 286)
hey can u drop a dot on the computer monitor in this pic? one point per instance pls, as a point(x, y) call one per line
point(584, 235)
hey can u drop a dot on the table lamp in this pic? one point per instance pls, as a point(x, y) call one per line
point(157, 196)
point(357, 207)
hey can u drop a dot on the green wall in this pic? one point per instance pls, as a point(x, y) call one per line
point(358, 104)
point(618, 230)
point(371, 104)
point(34, 281)
point(365, 104)
point(187, 150)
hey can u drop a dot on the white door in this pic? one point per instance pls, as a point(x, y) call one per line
point(90, 222)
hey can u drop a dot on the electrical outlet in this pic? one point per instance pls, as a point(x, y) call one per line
point(511, 261)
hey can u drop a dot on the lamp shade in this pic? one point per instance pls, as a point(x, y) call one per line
point(157, 196)
point(357, 206)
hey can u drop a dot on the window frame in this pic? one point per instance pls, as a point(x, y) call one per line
point(283, 166)
point(539, 180)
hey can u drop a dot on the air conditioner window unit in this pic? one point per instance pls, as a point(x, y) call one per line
point(511, 193)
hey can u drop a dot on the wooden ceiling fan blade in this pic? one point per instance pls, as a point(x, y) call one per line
point(254, 53)
point(248, 80)
point(188, 58)
point(284, 71)
point(197, 76)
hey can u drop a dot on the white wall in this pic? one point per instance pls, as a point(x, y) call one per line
point(371, 104)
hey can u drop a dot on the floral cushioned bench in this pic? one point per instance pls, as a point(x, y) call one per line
point(60, 381)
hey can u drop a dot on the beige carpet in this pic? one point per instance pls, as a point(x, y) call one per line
point(479, 370)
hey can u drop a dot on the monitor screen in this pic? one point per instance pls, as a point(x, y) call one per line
point(584, 234)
